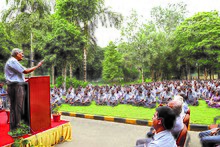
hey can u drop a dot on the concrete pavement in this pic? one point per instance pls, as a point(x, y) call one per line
point(96, 133)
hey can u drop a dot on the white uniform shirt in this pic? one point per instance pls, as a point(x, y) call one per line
point(14, 71)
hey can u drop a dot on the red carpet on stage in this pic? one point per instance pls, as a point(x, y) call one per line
point(5, 139)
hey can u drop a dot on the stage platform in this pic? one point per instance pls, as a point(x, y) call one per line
point(58, 132)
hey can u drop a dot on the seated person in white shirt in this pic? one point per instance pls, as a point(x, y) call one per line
point(76, 99)
point(112, 99)
point(86, 100)
point(139, 99)
point(150, 100)
point(69, 97)
point(163, 122)
point(102, 99)
point(192, 98)
point(128, 97)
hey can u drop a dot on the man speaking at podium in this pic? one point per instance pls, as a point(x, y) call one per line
point(15, 79)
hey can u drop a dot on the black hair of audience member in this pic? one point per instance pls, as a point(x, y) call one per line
point(167, 115)
point(185, 97)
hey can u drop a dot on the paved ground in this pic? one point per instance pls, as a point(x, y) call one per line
point(95, 133)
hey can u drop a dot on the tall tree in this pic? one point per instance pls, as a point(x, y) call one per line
point(61, 45)
point(198, 40)
point(23, 17)
point(88, 14)
point(6, 44)
point(112, 63)
point(168, 18)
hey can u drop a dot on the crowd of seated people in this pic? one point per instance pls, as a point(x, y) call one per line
point(146, 95)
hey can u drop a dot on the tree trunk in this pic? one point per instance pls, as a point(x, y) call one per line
point(189, 73)
point(198, 72)
point(142, 74)
point(52, 73)
point(213, 74)
point(205, 74)
point(152, 75)
point(161, 75)
point(84, 62)
point(32, 54)
point(64, 76)
point(186, 73)
point(71, 71)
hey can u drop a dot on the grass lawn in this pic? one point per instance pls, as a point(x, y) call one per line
point(201, 114)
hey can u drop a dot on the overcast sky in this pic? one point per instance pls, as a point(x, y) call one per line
point(143, 7)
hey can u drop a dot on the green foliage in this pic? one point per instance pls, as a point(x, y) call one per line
point(6, 45)
point(111, 64)
point(197, 42)
point(169, 17)
point(76, 83)
point(59, 81)
point(130, 73)
point(21, 130)
point(148, 80)
point(55, 109)
point(94, 63)
point(87, 15)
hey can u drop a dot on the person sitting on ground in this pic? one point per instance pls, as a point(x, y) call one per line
point(197, 93)
point(112, 99)
point(60, 99)
point(166, 96)
point(139, 99)
point(85, 100)
point(215, 100)
point(69, 96)
point(102, 99)
point(210, 138)
point(207, 93)
point(128, 97)
point(163, 122)
point(53, 100)
point(119, 94)
point(192, 99)
point(76, 99)
point(150, 100)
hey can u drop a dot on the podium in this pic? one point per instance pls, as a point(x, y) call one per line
point(39, 103)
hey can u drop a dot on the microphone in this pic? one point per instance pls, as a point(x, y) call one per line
point(29, 59)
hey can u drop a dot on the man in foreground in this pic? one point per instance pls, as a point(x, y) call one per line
point(163, 122)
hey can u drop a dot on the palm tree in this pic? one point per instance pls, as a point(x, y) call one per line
point(88, 14)
point(24, 16)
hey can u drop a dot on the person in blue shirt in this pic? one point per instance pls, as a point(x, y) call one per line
point(3, 97)
point(15, 79)
point(163, 121)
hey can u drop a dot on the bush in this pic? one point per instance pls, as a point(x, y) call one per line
point(75, 83)
point(148, 80)
point(70, 82)
point(59, 81)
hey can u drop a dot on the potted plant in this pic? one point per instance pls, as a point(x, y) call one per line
point(55, 113)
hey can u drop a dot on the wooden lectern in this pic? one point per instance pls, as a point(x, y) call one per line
point(39, 103)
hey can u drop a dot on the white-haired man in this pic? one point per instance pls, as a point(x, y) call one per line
point(15, 79)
